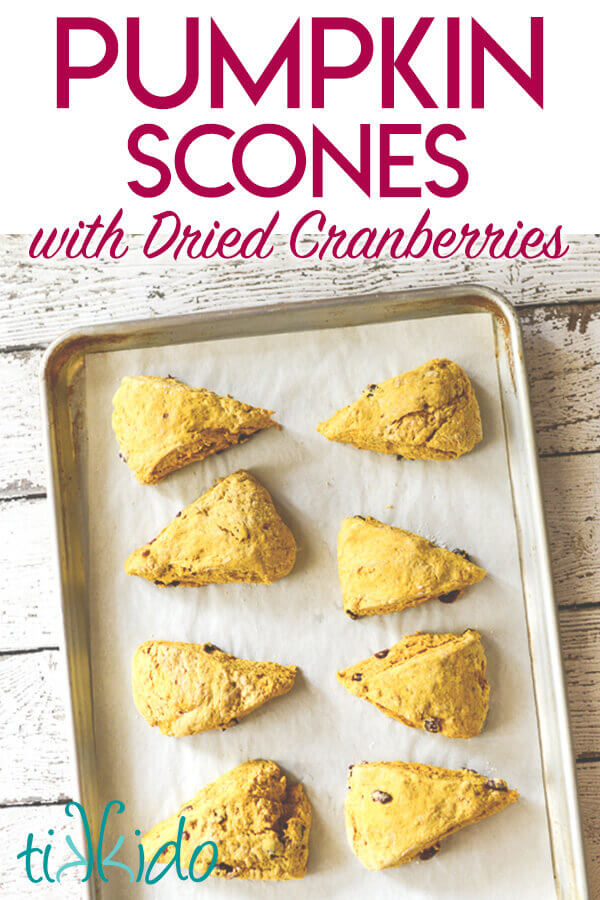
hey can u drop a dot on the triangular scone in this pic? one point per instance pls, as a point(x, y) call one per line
point(162, 424)
point(258, 821)
point(383, 568)
point(397, 811)
point(432, 681)
point(231, 533)
point(189, 688)
point(428, 413)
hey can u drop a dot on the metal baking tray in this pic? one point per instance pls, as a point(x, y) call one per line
point(62, 377)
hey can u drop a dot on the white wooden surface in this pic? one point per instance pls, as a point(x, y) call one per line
point(559, 307)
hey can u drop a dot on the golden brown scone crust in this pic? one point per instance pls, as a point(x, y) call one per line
point(431, 681)
point(231, 533)
point(397, 811)
point(162, 424)
point(383, 569)
point(428, 413)
point(189, 688)
point(258, 821)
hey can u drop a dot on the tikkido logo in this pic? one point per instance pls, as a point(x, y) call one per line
point(95, 857)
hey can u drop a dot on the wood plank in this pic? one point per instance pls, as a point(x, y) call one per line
point(562, 352)
point(571, 490)
point(563, 357)
point(58, 294)
point(29, 611)
point(588, 780)
point(15, 824)
point(34, 749)
point(22, 467)
point(580, 641)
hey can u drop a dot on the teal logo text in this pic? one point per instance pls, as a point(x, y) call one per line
point(38, 865)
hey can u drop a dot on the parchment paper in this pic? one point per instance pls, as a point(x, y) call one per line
point(318, 729)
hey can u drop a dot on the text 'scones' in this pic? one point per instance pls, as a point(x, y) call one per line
point(231, 533)
point(188, 688)
point(162, 424)
point(383, 569)
point(432, 681)
point(397, 811)
point(259, 822)
point(428, 413)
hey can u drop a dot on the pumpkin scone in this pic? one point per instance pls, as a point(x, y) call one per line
point(428, 413)
point(398, 811)
point(189, 688)
point(232, 533)
point(161, 424)
point(431, 681)
point(383, 569)
point(259, 822)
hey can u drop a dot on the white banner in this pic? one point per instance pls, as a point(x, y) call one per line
point(343, 121)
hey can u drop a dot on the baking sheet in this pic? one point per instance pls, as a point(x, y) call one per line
point(318, 729)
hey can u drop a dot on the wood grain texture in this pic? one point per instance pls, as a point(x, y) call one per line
point(22, 468)
point(34, 748)
point(29, 609)
point(38, 301)
point(15, 824)
point(571, 491)
point(588, 781)
point(562, 352)
point(562, 346)
point(580, 642)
